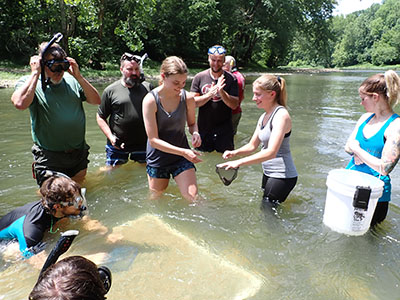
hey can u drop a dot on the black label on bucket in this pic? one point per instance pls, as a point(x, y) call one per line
point(361, 197)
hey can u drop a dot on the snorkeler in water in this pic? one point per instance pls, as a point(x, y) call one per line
point(61, 197)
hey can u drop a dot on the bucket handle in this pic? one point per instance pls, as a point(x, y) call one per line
point(380, 170)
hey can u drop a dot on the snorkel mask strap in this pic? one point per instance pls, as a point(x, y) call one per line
point(56, 38)
point(142, 59)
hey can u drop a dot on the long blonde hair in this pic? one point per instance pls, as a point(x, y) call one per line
point(173, 65)
point(273, 83)
point(387, 85)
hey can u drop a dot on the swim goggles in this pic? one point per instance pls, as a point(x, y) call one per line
point(216, 50)
point(129, 57)
point(58, 65)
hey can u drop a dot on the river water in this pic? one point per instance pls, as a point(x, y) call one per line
point(287, 253)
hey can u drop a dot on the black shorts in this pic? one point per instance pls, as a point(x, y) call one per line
point(68, 163)
point(380, 213)
point(276, 190)
point(217, 142)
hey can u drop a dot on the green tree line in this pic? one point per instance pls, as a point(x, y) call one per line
point(267, 32)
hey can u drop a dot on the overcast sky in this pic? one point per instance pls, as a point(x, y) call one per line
point(348, 6)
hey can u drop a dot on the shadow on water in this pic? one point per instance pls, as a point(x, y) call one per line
point(287, 246)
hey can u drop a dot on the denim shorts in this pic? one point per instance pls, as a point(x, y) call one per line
point(166, 172)
point(119, 157)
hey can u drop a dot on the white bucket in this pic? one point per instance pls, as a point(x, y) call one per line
point(340, 215)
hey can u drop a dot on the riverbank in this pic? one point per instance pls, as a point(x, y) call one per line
point(9, 75)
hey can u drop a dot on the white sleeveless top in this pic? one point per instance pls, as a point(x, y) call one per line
point(282, 166)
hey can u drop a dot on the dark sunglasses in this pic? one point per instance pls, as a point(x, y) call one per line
point(217, 49)
point(57, 65)
point(129, 57)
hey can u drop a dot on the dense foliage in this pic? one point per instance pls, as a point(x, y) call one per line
point(369, 36)
point(267, 32)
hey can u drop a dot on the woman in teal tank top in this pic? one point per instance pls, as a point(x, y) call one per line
point(375, 141)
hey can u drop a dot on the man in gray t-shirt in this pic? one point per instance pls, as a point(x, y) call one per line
point(121, 104)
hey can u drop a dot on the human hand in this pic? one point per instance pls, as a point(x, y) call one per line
point(73, 67)
point(213, 91)
point(35, 64)
point(94, 225)
point(228, 154)
point(357, 160)
point(196, 139)
point(353, 145)
point(221, 82)
point(192, 155)
point(234, 164)
point(116, 142)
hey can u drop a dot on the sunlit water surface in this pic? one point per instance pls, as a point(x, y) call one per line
point(290, 249)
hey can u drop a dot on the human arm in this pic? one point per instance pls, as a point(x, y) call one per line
point(390, 153)
point(191, 120)
point(92, 96)
point(231, 101)
point(197, 90)
point(103, 124)
point(354, 133)
point(150, 122)
point(22, 98)
point(200, 100)
point(281, 125)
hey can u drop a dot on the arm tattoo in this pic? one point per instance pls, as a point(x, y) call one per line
point(393, 154)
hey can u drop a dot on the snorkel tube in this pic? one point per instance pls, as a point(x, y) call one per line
point(56, 38)
point(61, 247)
point(142, 59)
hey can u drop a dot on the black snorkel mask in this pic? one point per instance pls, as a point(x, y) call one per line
point(57, 65)
point(62, 246)
point(56, 38)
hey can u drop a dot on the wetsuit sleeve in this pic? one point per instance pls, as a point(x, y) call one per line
point(32, 240)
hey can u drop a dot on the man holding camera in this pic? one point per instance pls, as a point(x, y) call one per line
point(57, 116)
point(121, 104)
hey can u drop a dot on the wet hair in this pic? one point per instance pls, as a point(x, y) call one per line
point(173, 65)
point(273, 83)
point(72, 278)
point(57, 189)
point(387, 85)
point(55, 50)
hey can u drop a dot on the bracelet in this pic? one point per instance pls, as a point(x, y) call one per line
point(195, 132)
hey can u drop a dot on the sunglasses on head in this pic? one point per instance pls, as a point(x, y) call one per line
point(129, 57)
point(57, 65)
point(217, 49)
